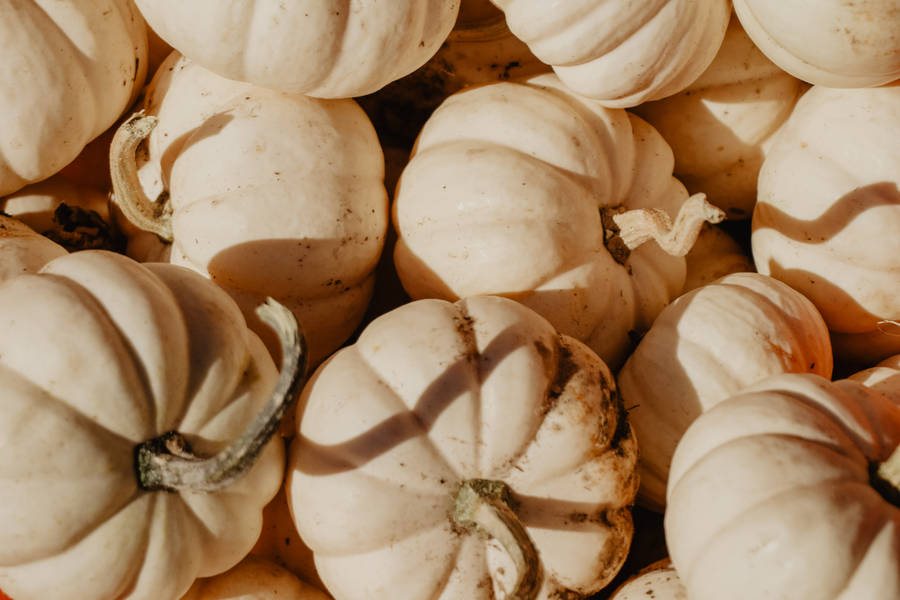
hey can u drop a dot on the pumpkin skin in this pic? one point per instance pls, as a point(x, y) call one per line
point(827, 217)
point(830, 43)
point(272, 195)
point(434, 393)
point(715, 254)
point(253, 578)
point(657, 581)
point(118, 353)
point(321, 49)
point(722, 124)
point(618, 52)
point(69, 70)
point(770, 494)
point(505, 194)
point(706, 346)
point(22, 249)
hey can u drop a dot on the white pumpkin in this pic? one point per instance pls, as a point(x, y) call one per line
point(267, 193)
point(715, 254)
point(69, 70)
point(326, 49)
point(253, 578)
point(620, 52)
point(22, 249)
point(657, 581)
point(462, 451)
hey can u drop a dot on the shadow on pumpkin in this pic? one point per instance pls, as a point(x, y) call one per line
point(210, 127)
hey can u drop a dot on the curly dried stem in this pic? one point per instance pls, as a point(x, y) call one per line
point(676, 238)
point(167, 462)
point(483, 505)
point(128, 194)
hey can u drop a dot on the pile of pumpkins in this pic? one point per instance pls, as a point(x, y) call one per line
point(449, 299)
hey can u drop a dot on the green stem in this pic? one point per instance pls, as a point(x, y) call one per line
point(128, 193)
point(167, 462)
point(484, 505)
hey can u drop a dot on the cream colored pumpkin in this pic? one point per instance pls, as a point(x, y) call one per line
point(706, 346)
point(777, 493)
point(253, 578)
point(715, 254)
point(620, 52)
point(657, 581)
point(100, 357)
point(326, 49)
point(69, 70)
point(830, 42)
point(828, 214)
point(433, 401)
point(268, 194)
point(722, 124)
point(22, 249)
point(514, 188)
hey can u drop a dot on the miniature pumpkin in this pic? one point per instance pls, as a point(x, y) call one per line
point(127, 393)
point(838, 44)
point(657, 581)
point(515, 189)
point(253, 578)
point(463, 450)
point(790, 489)
point(70, 69)
point(22, 249)
point(266, 193)
point(619, 52)
point(323, 49)
point(706, 346)
point(828, 214)
point(714, 254)
point(722, 124)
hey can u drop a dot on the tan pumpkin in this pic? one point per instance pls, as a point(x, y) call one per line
point(266, 193)
point(830, 43)
point(322, 49)
point(706, 346)
point(722, 124)
point(515, 189)
point(828, 214)
point(253, 578)
point(790, 490)
point(463, 450)
point(714, 254)
point(621, 53)
point(657, 581)
point(22, 249)
point(136, 410)
point(69, 70)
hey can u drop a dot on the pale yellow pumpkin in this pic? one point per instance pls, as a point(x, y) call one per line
point(715, 254)
point(790, 490)
point(22, 249)
point(621, 52)
point(463, 451)
point(69, 70)
point(125, 388)
point(514, 189)
point(828, 214)
point(706, 346)
point(266, 193)
point(326, 49)
point(253, 578)
point(657, 581)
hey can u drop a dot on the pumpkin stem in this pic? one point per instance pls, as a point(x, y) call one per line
point(128, 194)
point(484, 505)
point(167, 462)
point(676, 238)
point(887, 477)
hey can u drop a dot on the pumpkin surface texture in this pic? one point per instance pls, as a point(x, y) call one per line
point(69, 69)
point(266, 193)
point(657, 581)
point(463, 451)
point(515, 189)
point(123, 385)
point(22, 249)
point(253, 578)
point(790, 490)
point(322, 48)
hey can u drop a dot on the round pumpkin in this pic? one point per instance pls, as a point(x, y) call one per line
point(253, 578)
point(715, 254)
point(129, 468)
point(790, 490)
point(619, 52)
point(266, 193)
point(706, 346)
point(69, 70)
point(722, 124)
point(828, 42)
point(656, 581)
point(516, 189)
point(463, 450)
point(828, 214)
point(322, 49)
point(22, 249)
